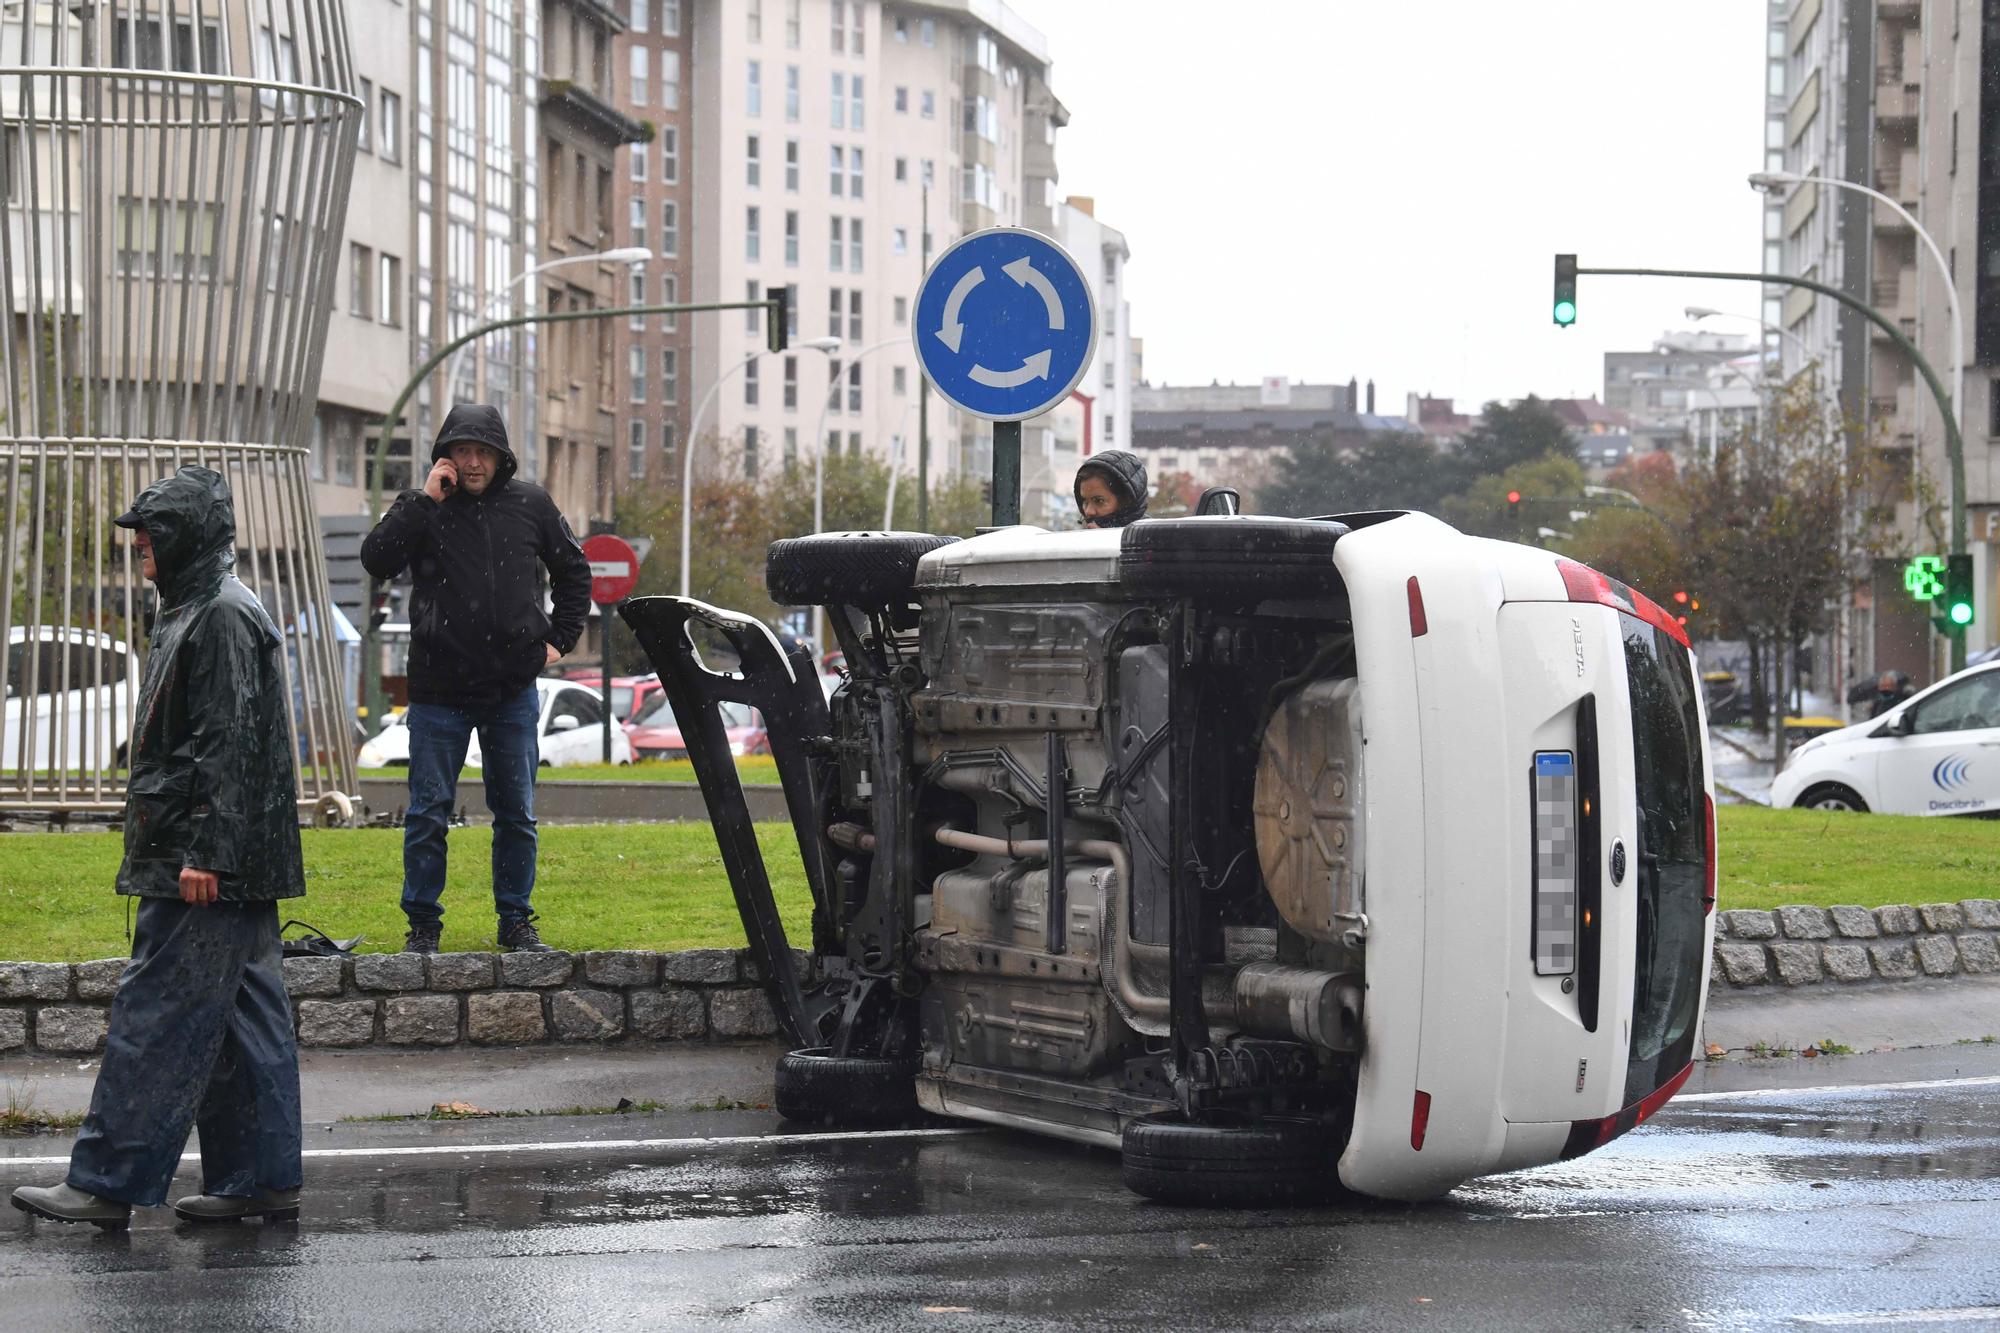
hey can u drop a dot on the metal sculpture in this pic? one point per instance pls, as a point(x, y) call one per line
point(175, 178)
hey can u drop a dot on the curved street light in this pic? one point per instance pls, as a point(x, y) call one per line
point(829, 345)
point(628, 254)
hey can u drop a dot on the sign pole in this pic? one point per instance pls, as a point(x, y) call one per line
point(1006, 473)
point(614, 573)
point(605, 617)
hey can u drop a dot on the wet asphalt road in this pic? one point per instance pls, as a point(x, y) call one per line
point(1867, 1205)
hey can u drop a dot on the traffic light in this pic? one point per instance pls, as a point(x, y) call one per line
point(1564, 310)
point(1514, 501)
point(1955, 611)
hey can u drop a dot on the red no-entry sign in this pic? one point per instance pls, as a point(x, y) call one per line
point(614, 568)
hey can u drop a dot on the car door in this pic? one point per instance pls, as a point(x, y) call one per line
point(572, 733)
point(1942, 754)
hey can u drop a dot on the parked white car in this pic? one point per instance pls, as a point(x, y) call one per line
point(572, 732)
point(1936, 753)
point(84, 685)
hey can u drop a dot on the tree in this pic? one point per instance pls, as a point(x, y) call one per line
point(1387, 472)
point(1550, 487)
point(1508, 435)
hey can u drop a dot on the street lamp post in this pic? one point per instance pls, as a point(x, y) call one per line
point(630, 254)
point(829, 345)
point(819, 463)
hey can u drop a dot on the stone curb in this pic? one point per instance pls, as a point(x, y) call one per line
point(459, 999)
point(1845, 946)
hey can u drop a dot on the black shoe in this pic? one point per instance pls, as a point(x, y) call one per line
point(422, 938)
point(520, 937)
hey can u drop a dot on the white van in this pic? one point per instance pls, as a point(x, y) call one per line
point(1269, 852)
point(1936, 753)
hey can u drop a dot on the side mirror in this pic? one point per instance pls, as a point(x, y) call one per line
point(1219, 500)
point(566, 722)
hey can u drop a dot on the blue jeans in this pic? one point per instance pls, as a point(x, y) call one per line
point(201, 1037)
point(509, 746)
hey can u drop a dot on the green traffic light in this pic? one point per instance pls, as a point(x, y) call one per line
point(1961, 613)
point(1565, 312)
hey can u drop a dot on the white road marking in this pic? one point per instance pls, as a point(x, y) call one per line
point(1964, 1314)
point(577, 1145)
point(1980, 1082)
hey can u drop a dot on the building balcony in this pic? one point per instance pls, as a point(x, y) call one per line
point(591, 113)
point(1897, 103)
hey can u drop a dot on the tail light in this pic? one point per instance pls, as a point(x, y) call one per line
point(1585, 1135)
point(1420, 1120)
point(1419, 623)
point(1708, 854)
point(1587, 585)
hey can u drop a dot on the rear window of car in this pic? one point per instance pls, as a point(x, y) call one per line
point(1670, 867)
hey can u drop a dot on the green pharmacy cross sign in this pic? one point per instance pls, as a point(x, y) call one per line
point(1924, 577)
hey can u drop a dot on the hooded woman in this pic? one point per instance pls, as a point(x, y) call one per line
point(1111, 489)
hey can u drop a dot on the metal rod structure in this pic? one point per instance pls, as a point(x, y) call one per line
point(1954, 445)
point(178, 181)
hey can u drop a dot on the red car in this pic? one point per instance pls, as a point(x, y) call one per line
point(656, 734)
point(630, 695)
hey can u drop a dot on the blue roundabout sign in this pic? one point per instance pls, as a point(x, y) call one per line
point(1005, 324)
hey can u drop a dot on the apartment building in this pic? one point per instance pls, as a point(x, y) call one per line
point(1680, 391)
point(650, 211)
point(831, 144)
point(1231, 434)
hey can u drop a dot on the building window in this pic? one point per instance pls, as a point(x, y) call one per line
point(835, 304)
point(389, 126)
point(360, 281)
point(854, 443)
point(899, 380)
point(635, 363)
point(837, 111)
point(902, 29)
point(902, 99)
point(635, 446)
point(670, 154)
point(854, 392)
point(753, 20)
point(667, 437)
point(753, 163)
point(753, 315)
point(837, 38)
point(854, 174)
point(854, 245)
point(750, 442)
point(792, 94)
point(641, 78)
point(854, 316)
point(927, 32)
point(791, 238)
point(670, 375)
point(855, 120)
point(836, 255)
point(670, 292)
point(670, 18)
point(670, 228)
point(902, 310)
point(791, 447)
point(639, 19)
point(637, 169)
point(366, 89)
point(670, 79)
point(638, 297)
point(753, 240)
point(792, 24)
point(899, 242)
point(833, 400)
point(791, 310)
point(390, 302)
point(792, 165)
point(927, 102)
point(836, 170)
point(902, 170)
point(753, 94)
point(791, 382)
point(750, 383)
point(636, 222)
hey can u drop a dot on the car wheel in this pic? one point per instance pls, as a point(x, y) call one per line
point(1230, 1159)
point(1253, 556)
point(818, 1087)
point(1831, 796)
point(851, 568)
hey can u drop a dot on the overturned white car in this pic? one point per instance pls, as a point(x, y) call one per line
point(1277, 854)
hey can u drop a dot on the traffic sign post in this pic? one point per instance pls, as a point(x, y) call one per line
point(614, 573)
point(1006, 324)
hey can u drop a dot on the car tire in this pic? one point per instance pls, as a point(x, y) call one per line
point(1831, 796)
point(814, 1086)
point(1248, 556)
point(1230, 1160)
point(847, 568)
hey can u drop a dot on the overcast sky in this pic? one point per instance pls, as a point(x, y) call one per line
point(1326, 188)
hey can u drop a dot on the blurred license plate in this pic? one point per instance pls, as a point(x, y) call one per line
point(1555, 863)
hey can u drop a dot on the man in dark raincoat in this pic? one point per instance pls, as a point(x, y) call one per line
point(1111, 489)
point(201, 1031)
point(472, 539)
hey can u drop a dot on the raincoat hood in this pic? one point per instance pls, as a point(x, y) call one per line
point(190, 518)
point(479, 424)
point(1125, 474)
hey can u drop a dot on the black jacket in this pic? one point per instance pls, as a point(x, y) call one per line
point(212, 778)
point(476, 621)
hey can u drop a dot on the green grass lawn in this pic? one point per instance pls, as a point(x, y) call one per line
point(599, 886)
point(661, 886)
point(750, 768)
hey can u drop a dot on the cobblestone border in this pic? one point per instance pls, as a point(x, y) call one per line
point(1808, 946)
point(446, 999)
point(711, 995)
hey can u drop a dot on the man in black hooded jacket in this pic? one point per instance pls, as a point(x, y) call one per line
point(472, 538)
point(201, 1031)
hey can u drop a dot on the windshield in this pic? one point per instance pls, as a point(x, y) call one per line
point(1671, 869)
